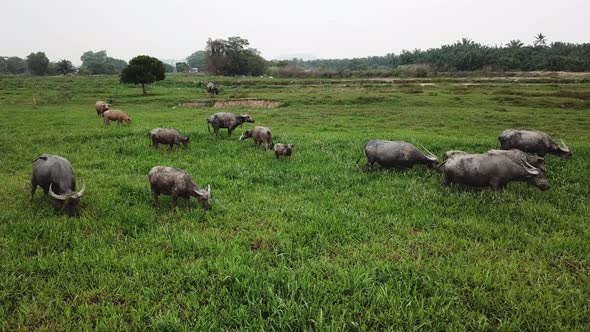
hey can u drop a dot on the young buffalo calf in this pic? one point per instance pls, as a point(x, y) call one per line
point(260, 135)
point(114, 115)
point(284, 150)
point(177, 182)
point(168, 136)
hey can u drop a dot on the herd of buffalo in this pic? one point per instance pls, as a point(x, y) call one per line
point(520, 158)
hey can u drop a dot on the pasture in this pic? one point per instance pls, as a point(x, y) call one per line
point(310, 243)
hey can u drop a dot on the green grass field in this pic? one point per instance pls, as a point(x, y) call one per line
point(311, 243)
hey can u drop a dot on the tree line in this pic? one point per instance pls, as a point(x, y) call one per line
point(234, 56)
point(466, 55)
point(93, 63)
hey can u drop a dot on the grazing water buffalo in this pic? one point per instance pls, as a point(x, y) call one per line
point(102, 107)
point(177, 182)
point(496, 171)
point(453, 153)
point(115, 115)
point(396, 154)
point(514, 154)
point(531, 141)
point(260, 135)
point(168, 136)
point(518, 155)
point(212, 89)
point(55, 175)
point(227, 120)
point(284, 150)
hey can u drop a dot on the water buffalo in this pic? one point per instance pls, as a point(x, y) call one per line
point(284, 150)
point(396, 154)
point(514, 154)
point(168, 136)
point(260, 135)
point(531, 141)
point(518, 155)
point(453, 153)
point(115, 115)
point(177, 182)
point(102, 107)
point(227, 120)
point(496, 171)
point(55, 175)
point(212, 89)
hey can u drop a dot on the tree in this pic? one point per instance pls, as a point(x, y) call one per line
point(182, 67)
point(3, 68)
point(37, 63)
point(540, 40)
point(64, 67)
point(515, 44)
point(15, 65)
point(169, 68)
point(94, 63)
point(233, 57)
point(197, 60)
point(143, 70)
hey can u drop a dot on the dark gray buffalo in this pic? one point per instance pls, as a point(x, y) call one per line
point(261, 135)
point(482, 170)
point(532, 141)
point(212, 89)
point(517, 156)
point(55, 175)
point(284, 150)
point(177, 183)
point(227, 120)
point(167, 136)
point(396, 154)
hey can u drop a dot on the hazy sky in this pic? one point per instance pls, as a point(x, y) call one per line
point(324, 29)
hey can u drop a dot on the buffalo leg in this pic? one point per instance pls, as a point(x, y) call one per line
point(216, 131)
point(496, 184)
point(174, 201)
point(229, 130)
point(187, 202)
point(155, 202)
point(33, 188)
point(170, 146)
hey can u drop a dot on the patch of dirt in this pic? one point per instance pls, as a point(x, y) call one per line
point(254, 103)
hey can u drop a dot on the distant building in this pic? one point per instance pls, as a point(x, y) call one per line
point(194, 70)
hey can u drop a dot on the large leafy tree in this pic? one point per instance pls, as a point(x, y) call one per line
point(94, 63)
point(182, 67)
point(16, 65)
point(3, 67)
point(143, 70)
point(197, 60)
point(64, 67)
point(37, 63)
point(233, 57)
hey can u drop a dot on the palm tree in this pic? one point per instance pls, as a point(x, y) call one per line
point(515, 44)
point(540, 40)
point(465, 42)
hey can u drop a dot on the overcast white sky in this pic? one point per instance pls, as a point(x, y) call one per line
point(324, 29)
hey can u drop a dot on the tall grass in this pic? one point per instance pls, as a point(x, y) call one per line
point(307, 243)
